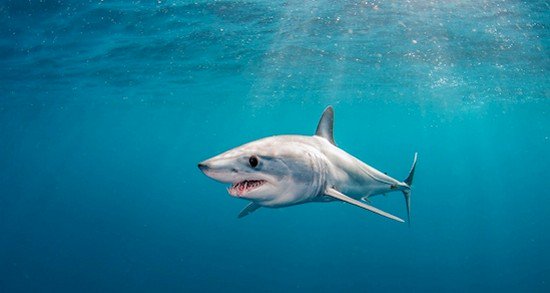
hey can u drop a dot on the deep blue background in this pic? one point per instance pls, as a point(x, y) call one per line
point(107, 106)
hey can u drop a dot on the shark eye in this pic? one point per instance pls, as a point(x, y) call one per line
point(253, 161)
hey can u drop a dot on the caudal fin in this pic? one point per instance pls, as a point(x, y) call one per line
point(409, 179)
point(407, 192)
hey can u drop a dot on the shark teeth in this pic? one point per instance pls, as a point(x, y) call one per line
point(242, 187)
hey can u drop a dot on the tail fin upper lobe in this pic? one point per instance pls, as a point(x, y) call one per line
point(407, 192)
point(409, 179)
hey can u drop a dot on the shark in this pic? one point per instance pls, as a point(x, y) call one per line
point(287, 170)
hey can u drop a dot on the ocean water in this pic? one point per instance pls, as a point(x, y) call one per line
point(106, 107)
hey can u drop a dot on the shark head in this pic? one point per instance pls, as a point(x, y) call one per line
point(274, 171)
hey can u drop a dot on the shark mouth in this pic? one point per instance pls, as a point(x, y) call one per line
point(242, 187)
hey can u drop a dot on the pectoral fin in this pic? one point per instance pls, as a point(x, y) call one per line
point(250, 208)
point(338, 195)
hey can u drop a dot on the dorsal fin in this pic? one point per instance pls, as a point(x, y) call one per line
point(325, 126)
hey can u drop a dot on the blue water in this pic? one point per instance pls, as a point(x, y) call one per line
point(106, 107)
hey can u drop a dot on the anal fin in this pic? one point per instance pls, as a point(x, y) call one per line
point(250, 208)
point(340, 196)
point(366, 199)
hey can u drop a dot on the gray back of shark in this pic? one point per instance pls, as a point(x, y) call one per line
point(287, 170)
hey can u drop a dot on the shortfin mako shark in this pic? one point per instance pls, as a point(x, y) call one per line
point(286, 170)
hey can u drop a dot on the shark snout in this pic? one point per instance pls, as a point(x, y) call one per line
point(212, 165)
point(203, 166)
point(217, 169)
